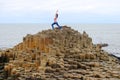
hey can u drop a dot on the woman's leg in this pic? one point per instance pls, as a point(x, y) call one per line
point(53, 25)
point(58, 25)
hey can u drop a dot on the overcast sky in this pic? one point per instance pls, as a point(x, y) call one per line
point(70, 11)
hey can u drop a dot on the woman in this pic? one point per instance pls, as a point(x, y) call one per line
point(55, 21)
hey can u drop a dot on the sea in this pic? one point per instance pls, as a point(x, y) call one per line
point(12, 34)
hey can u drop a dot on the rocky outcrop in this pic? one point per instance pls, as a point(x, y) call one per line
point(103, 44)
point(59, 55)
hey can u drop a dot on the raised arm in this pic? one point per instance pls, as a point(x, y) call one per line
point(57, 12)
point(56, 15)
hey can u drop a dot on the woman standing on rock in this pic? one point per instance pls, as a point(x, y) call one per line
point(55, 21)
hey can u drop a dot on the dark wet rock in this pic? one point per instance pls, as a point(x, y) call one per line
point(103, 45)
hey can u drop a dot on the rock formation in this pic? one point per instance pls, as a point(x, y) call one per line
point(60, 55)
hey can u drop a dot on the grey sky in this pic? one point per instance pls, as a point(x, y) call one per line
point(76, 11)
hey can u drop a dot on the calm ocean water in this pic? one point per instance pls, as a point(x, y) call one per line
point(12, 34)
